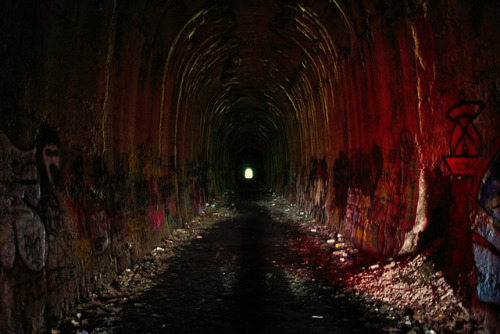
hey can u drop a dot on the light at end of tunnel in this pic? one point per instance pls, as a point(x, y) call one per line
point(248, 173)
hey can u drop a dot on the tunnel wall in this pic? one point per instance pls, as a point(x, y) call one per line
point(88, 184)
point(417, 142)
point(107, 145)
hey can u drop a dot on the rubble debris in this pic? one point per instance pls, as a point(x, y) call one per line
point(394, 295)
point(412, 284)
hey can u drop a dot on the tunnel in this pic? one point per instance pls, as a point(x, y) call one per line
point(120, 121)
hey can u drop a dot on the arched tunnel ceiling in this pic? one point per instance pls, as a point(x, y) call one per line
point(252, 69)
point(247, 73)
point(120, 120)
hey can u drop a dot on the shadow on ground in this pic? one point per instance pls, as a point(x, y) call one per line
point(245, 275)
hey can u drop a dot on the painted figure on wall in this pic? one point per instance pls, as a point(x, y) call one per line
point(464, 139)
point(21, 226)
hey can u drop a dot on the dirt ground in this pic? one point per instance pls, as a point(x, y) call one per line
point(260, 265)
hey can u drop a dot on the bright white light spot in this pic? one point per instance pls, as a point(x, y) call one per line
point(248, 173)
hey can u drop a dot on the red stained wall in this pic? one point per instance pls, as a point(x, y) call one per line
point(419, 102)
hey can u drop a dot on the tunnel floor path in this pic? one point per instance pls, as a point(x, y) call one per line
point(248, 268)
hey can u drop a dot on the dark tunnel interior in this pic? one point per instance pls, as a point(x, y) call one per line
point(120, 121)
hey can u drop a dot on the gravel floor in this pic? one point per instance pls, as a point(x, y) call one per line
point(259, 265)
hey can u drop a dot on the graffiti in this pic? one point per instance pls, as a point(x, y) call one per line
point(97, 226)
point(101, 212)
point(89, 208)
point(49, 163)
point(92, 221)
point(49, 239)
point(362, 171)
point(20, 196)
point(375, 192)
point(489, 191)
point(61, 245)
point(50, 212)
point(196, 187)
point(49, 156)
point(352, 216)
point(464, 139)
point(486, 249)
point(316, 186)
point(486, 235)
point(31, 243)
point(395, 200)
point(386, 194)
point(156, 219)
point(29, 185)
point(357, 213)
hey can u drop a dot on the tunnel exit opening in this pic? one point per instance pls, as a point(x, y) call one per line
point(249, 169)
point(248, 173)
